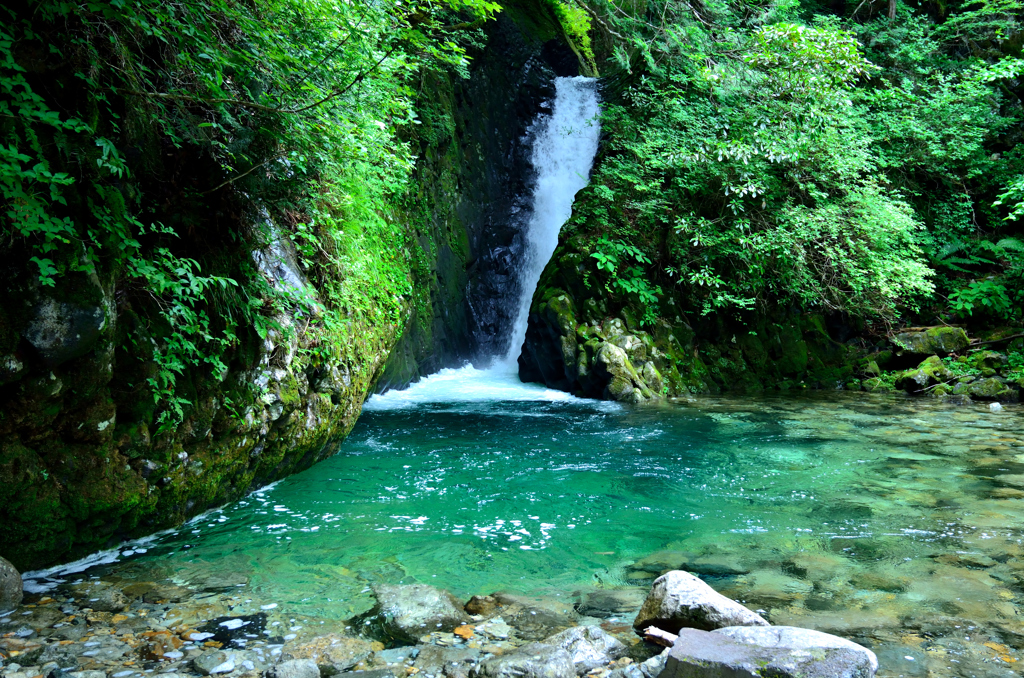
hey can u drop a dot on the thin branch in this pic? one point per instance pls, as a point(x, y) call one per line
point(237, 177)
point(338, 93)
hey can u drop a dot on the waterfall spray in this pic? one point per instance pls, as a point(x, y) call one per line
point(563, 152)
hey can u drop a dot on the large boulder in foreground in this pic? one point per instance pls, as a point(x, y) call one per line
point(535, 660)
point(794, 638)
point(405, 613)
point(10, 586)
point(589, 646)
point(680, 600)
point(699, 654)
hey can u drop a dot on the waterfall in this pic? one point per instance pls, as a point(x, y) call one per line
point(563, 152)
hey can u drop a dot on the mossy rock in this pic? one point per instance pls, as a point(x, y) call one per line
point(876, 385)
point(939, 341)
point(930, 372)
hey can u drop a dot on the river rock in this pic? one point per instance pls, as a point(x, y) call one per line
point(934, 341)
point(700, 654)
point(101, 596)
point(793, 638)
point(611, 602)
point(405, 613)
point(216, 662)
point(482, 605)
point(680, 600)
point(648, 668)
point(333, 653)
point(535, 660)
point(10, 586)
point(295, 668)
point(589, 646)
point(435, 660)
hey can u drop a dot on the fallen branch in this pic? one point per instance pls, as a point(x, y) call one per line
point(659, 637)
point(996, 341)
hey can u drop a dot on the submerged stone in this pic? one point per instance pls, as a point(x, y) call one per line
point(404, 613)
point(535, 660)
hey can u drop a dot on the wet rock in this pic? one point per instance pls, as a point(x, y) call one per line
point(648, 668)
point(159, 643)
point(589, 646)
point(295, 668)
point(24, 651)
point(611, 602)
point(482, 605)
point(793, 638)
point(333, 653)
point(661, 562)
point(229, 629)
point(699, 654)
point(535, 660)
point(101, 596)
point(61, 330)
point(537, 623)
point(939, 341)
point(435, 660)
point(152, 592)
point(681, 600)
point(10, 586)
point(87, 674)
point(404, 613)
point(495, 628)
point(216, 662)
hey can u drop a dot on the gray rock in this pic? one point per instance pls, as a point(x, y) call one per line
point(10, 586)
point(404, 613)
point(216, 662)
point(700, 654)
point(296, 668)
point(435, 660)
point(680, 600)
point(535, 660)
point(87, 674)
point(649, 668)
point(104, 599)
point(62, 330)
point(606, 603)
point(333, 653)
point(794, 638)
point(537, 623)
point(398, 655)
point(589, 646)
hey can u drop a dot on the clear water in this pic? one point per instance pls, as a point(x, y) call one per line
point(472, 482)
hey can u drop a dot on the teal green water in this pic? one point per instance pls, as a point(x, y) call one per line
point(901, 509)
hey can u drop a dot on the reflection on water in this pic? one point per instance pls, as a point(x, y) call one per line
point(888, 520)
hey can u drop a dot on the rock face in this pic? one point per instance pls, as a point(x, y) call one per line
point(794, 638)
point(680, 600)
point(589, 646)
point(581, 341)
point(535, 660)
point(405, 613)
point(10, 586)
point(699, 654)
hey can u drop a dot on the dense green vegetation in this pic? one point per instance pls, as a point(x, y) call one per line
point(863, 158)
point(159, 144)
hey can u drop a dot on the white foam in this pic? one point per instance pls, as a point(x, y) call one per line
point(467, 385)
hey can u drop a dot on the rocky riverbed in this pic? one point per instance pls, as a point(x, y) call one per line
point(96, 627)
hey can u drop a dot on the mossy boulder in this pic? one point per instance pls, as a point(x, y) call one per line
point(940, 341)
point(991, 389)
point(930, 372)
